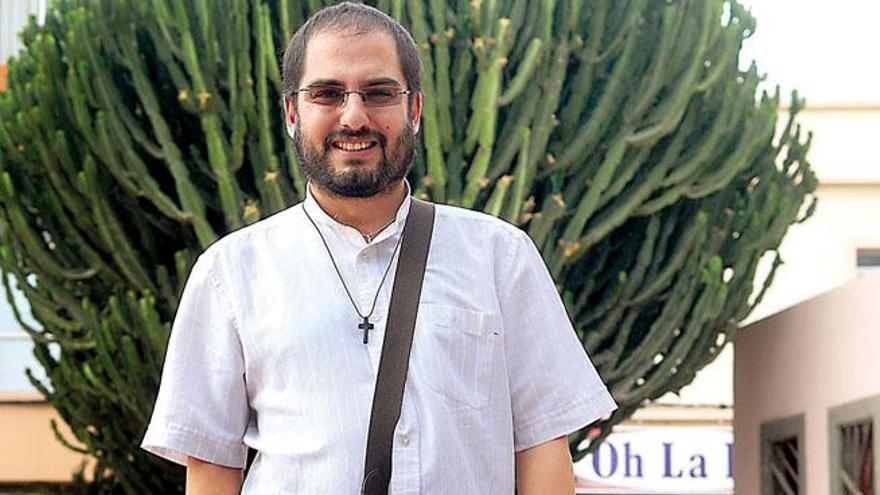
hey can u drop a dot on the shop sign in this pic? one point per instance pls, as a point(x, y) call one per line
point(660, 460)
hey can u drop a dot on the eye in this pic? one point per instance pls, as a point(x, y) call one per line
point(326, 95)
point(380, 95)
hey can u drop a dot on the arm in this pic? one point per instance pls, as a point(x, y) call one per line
point(204, 478)
point(554, 388)
point(202, 408)
point(545, 469)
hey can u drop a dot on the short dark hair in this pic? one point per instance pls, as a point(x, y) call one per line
point(358, 19)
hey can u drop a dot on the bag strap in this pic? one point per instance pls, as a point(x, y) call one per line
point(394, 362)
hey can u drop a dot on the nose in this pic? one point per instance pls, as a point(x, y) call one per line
point(354, 114)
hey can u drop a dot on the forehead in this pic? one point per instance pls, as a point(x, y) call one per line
point(352, 59)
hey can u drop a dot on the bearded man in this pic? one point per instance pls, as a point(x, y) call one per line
point(279, 333)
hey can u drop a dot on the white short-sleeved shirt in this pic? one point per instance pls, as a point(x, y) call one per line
point(266, 352)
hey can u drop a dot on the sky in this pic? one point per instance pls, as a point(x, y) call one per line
point(826, 50)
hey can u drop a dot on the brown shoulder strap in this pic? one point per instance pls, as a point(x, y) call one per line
point(393, 364)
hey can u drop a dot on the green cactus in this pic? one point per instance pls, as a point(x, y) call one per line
point(620, 135)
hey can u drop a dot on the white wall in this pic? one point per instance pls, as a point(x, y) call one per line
point(821, 254)
point(15, 345)
point(16, 348)
point(825, 50)
point(13, 16)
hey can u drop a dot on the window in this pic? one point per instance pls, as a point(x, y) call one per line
point(867, 260)
point(854, 463)
point(782, 456)
point(856, 451)
point(784, 466)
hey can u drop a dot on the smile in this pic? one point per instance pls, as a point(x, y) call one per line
point(353, 145)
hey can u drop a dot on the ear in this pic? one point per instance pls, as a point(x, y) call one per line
point(289, 115)
point(416, 111)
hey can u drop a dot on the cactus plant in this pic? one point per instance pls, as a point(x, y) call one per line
point(622, 136)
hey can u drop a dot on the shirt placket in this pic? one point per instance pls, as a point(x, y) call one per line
point(368, 276)
point(405, 459)
point(370, 267)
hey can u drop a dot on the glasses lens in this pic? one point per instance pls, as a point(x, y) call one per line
point(326, 96)
point(380, 97)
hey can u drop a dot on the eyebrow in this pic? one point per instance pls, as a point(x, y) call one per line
point(378, 81)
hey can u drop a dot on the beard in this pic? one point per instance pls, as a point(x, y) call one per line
point(358, 180)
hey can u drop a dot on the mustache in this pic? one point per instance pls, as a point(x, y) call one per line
point(350, 134)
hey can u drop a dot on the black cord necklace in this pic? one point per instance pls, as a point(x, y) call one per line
point(365, 324)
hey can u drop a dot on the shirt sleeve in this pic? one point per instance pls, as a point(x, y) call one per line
point(202, 409)
point(555, 389)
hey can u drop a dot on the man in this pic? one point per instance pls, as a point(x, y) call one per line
point(271, 348)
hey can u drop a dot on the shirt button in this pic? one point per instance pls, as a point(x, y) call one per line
point(404, 440)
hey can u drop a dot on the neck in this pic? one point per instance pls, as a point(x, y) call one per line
point(367, 215)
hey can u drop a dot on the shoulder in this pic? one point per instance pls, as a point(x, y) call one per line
point(488, 239)
point(250, 238)
point(478, 224)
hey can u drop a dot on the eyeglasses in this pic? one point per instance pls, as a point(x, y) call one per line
point(335, 97)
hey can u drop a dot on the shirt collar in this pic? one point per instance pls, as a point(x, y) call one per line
point(322, 218)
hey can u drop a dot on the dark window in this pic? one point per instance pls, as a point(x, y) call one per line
point(853, 447)
point(784, 466)
point(867, 260)
point(782, 456)
point(856, 458)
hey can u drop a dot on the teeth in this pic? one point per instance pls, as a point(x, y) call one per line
point(353, 146)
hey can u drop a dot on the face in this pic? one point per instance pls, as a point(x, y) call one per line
point(353, 150)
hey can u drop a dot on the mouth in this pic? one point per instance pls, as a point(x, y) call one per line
point(354, 146)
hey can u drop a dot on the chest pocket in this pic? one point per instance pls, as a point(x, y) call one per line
point(455, 349)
